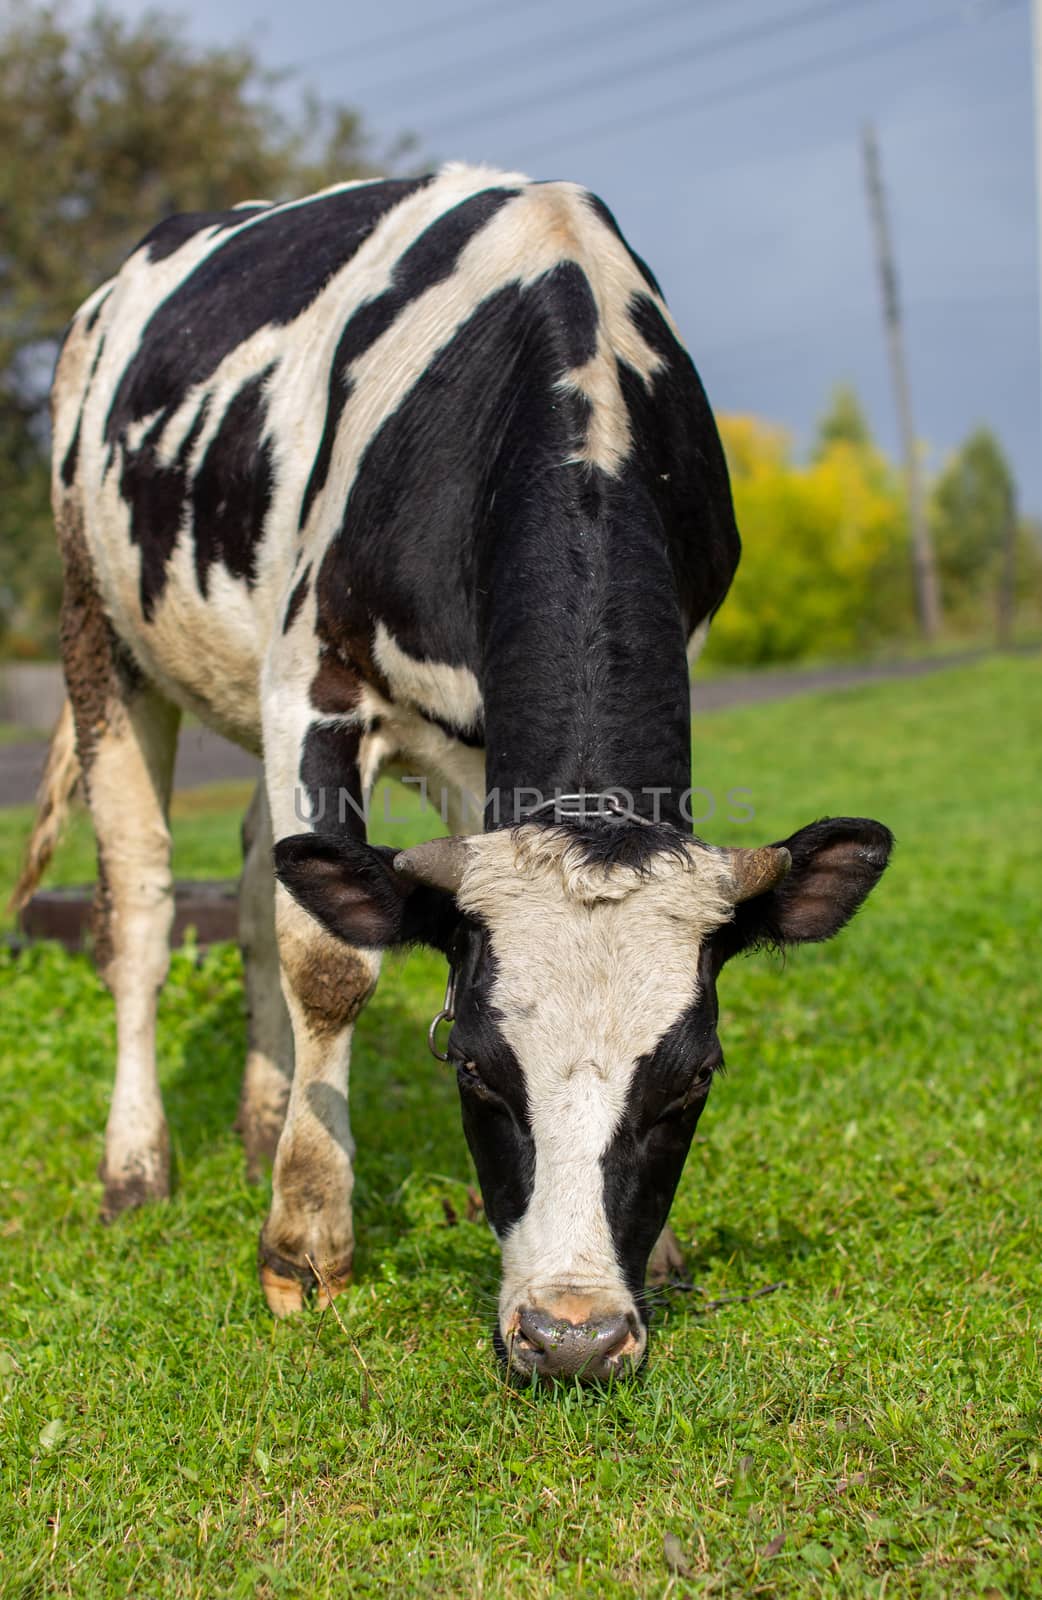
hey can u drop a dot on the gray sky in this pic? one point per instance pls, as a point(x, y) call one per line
point(749, 206)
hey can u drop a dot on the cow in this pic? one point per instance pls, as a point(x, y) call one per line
point(416, 474)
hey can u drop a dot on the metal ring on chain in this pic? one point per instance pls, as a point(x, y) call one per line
point(432, 1035)
point(446, 1014)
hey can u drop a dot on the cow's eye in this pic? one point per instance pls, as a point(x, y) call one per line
point(470, 1079)
point(696, 1090)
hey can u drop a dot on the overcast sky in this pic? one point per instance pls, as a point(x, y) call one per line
point(724, 134)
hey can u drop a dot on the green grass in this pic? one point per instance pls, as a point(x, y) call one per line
point(206, 826)
point(14, 733)
point(875, 1144)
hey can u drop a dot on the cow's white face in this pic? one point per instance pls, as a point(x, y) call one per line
point(576, 976)
point(585, 964)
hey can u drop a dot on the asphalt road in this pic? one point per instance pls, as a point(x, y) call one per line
point(203, 757)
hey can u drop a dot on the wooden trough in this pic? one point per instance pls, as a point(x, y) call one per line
point(210, 906)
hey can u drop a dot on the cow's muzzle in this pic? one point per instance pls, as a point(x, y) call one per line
point(592, 1350)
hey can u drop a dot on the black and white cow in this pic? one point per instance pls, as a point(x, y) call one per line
point(417, 473)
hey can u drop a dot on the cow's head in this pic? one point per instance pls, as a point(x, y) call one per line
point(585, 1032)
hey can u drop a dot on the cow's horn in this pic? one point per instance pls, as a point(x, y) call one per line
point(756, 871)
point(439, 863)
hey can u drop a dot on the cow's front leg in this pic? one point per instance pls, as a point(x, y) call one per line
point(666, 1262)
point(269, 1056)
point(326, 984)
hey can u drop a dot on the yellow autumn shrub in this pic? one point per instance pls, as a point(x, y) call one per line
point(824, 549)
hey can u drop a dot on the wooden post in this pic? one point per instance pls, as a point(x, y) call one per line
point(1007, 589)
point(1036, 57)
point(927, 590)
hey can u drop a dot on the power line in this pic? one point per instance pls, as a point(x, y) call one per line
point(764, 81)
point(822, 10)
point(383, 42)
point(491, 60)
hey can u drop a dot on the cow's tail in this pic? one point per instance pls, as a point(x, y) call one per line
point(60, 777)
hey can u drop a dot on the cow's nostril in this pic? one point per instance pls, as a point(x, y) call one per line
point(536, 1328)
point(557, 1348)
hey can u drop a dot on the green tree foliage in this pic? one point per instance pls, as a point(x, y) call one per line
point(974, 513)
point(30, 571)
point(106, 126)
point(973, 505)
point(844, 422)
point(826, 567)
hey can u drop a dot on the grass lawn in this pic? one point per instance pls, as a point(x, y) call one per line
point(874, 1427)
point(14, 733)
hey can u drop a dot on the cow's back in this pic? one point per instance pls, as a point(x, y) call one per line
point(189, 395)
point(336, 388)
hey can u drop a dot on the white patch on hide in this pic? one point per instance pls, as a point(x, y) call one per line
point(449, 693)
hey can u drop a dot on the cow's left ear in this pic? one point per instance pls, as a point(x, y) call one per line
point(352, 889)
point(836, 863)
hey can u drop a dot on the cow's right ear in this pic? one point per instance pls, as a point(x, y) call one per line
point(352, 889)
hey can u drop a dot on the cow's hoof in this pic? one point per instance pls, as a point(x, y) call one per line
point(329, 1288)
point(288, 1285)
point(136, 1183)
point(667, 1260)
point(285, 1296)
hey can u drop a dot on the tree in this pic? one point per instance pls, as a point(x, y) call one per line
point(844, 422)
point(974, 509)
point(823, 569)
point(106, 126)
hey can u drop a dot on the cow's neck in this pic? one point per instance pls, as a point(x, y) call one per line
point(585, 677)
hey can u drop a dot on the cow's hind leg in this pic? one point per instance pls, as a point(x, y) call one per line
point(269, 1057)
point(126, 737)
point(128, 785)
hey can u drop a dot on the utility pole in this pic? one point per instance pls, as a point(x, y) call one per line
point(1007, 587)
point(928, 599)
point(1036, 57)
